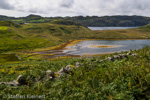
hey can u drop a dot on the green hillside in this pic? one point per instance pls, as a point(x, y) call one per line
point(30, 36)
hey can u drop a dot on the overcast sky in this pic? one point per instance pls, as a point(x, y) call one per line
point(49, 8)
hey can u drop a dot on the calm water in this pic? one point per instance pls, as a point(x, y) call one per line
point(109, 28)
point(89, 47)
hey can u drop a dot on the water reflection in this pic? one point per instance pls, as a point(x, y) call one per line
point(109, 28)
point(105, 46)
point(93, 47)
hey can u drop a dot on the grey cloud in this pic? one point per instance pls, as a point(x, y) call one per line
point(122, 7)
point(5, 5)
point(79, 7)
point(133, 6)
point(37, 11)
point(66, 3)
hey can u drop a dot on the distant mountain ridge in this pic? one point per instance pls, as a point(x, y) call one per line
point(119, 20)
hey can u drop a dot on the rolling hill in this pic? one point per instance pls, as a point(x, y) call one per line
point(117, 20)
point(30, 36)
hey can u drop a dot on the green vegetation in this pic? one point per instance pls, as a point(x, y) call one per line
point(31, 36)
point(126, 79)
point(64, 22)
point(9, 24)
point(8, 57)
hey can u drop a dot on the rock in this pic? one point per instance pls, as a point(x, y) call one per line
point(14, 83)
point(111, 58)
point(102, 60)
point(78, 65)
point(122, 55)
point(69, 68)
point(21, 80)
point(134, 54)
point(129, 53)
point(57, 74)
point(62, 70)
point(116, 57)
point(50, 74)
point(126, 56)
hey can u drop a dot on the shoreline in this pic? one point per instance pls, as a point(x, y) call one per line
point(73, 42)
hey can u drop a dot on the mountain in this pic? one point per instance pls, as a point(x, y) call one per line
point(111, 20)
point(2, 17)
point(103, 21)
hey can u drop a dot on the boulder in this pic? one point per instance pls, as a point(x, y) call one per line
point(116, 57)
point(57, 74)
point(69, 68)
point(134, 54)
point(78, 65)
point(123, 56)
point(62, 70)
point(129, 53)
point(102, 60)
point(13, 83)
point(50, 74)
point(21, 80)
point(111, 58)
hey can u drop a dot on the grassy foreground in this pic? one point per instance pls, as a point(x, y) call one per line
point(126, 79)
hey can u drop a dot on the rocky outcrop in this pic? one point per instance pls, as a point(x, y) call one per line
point(50, 75)
point(67, 70)
point(21, 80)
point(18, 82)
point(120, 56)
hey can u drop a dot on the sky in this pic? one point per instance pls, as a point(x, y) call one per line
point(51, 8)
